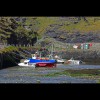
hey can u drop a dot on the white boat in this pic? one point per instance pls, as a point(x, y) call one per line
point(37, 61)
point(60, 61)
point(74, 62)
point(27, 64)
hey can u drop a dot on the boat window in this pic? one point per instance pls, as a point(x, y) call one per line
point(25, 62)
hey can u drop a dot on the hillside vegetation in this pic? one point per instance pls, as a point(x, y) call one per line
point(27, 30)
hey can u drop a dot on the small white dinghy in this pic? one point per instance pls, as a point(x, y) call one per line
point(74, 62)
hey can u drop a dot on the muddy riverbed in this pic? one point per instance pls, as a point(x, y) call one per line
point(50, 75)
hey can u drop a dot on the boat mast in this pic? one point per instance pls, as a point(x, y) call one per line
point(52, 51)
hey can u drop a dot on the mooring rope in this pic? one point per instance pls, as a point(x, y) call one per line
point(23, 53)
point(15, 57)
point(26, 51)
point(19, 55)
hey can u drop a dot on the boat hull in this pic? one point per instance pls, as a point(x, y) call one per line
point(44, 64)
point(38, 63)
point(26, 65)
point(73, 62)
point(60, 61)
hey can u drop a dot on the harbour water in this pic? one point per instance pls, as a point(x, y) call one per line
point(19, 74)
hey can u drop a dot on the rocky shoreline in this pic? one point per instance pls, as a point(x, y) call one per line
point(89, 56)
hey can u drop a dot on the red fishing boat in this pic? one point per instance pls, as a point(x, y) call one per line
point(45, 64)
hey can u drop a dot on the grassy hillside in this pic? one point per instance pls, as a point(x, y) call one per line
point(24, 30)
point(83, 26)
